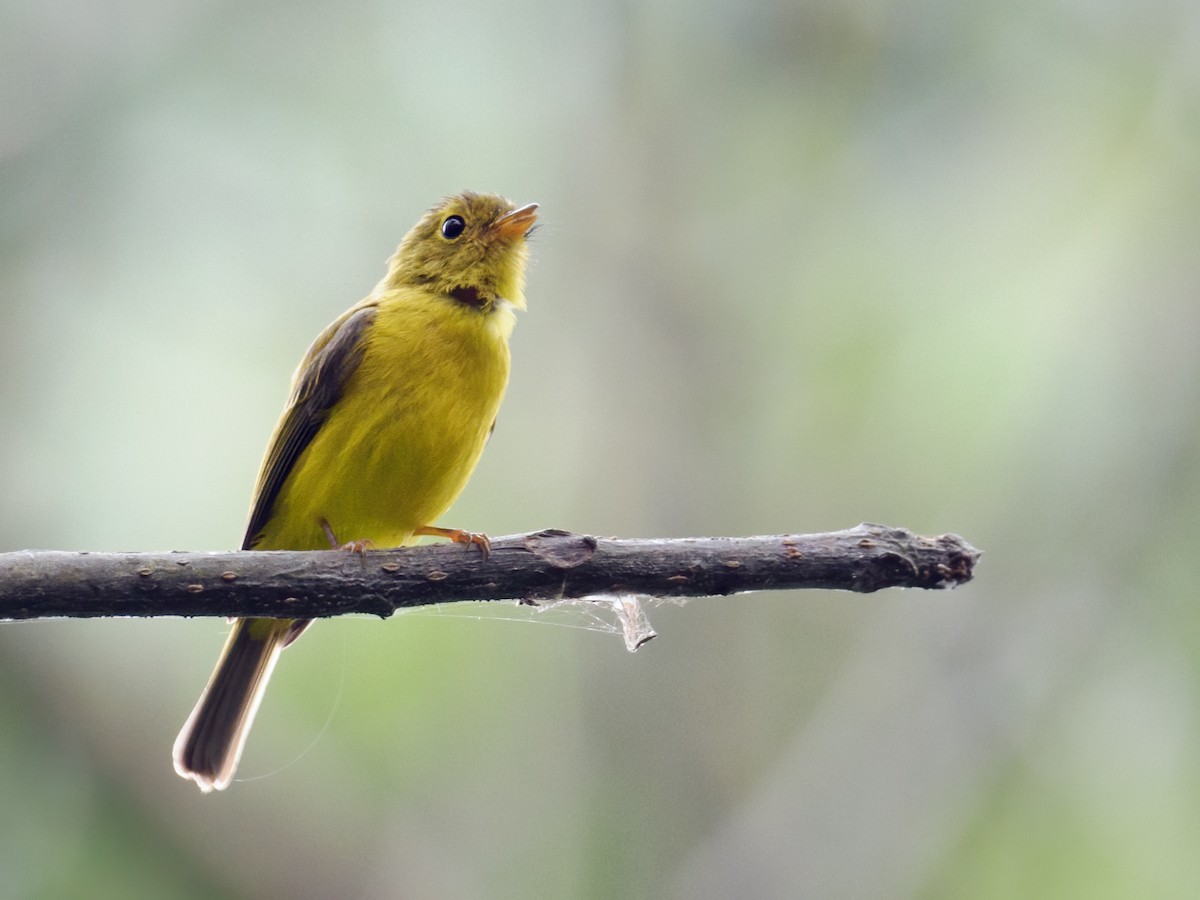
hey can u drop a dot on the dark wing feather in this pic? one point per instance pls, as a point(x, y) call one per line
point(320, 382)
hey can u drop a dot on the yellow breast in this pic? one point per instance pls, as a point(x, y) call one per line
point(400, 444)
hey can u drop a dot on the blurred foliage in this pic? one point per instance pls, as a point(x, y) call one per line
point(802, 265)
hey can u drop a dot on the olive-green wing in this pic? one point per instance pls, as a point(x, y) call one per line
point(319, 384)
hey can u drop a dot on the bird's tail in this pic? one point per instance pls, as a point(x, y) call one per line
point(211, 741)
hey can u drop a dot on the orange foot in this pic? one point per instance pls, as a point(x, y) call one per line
point(478, 538)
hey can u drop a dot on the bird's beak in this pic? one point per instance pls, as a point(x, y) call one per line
point(517, 223)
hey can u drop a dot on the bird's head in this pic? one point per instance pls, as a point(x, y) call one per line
point(470, 247)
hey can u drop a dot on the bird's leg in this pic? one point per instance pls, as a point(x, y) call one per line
point(359, 547)
point(458, 536)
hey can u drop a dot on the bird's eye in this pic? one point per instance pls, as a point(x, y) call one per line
point(453, 227)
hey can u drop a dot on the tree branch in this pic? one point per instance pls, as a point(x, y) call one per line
point(545, 565)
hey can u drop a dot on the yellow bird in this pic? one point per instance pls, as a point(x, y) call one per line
point(388, 415)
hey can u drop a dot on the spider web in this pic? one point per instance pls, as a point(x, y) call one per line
point(619, 614)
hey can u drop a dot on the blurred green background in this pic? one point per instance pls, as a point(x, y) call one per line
point(801, 265)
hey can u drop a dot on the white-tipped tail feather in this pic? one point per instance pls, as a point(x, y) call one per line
point(211, 741)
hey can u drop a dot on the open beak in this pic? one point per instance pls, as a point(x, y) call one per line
point(517, 223)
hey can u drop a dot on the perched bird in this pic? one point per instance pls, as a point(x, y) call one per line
point(388, 415)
